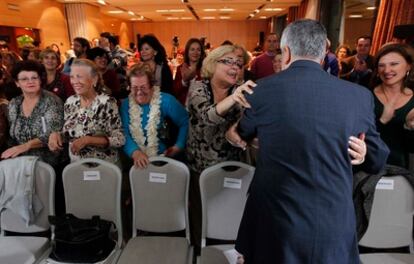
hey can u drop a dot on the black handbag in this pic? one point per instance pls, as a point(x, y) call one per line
point(81, 240)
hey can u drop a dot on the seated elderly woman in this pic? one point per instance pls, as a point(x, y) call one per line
point(143, 115)
point(34, 115)
point(92, 123)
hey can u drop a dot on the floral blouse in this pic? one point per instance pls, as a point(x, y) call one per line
point(206, 144)
point(101, 118)
point(46, 117)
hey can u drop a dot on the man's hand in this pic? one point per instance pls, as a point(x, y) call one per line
point(357, 149)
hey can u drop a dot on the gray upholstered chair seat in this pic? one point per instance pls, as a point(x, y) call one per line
point(22, 250)
point(215, 254)
point(148, 250)
point(385, 258)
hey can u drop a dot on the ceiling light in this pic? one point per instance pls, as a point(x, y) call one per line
point(209, 17)
point(161, 11)
point(131, 13)
point(102, 2)
point(371, 8)
point(355, 16)
point(263, 17)
point(186, 18)
point(176, 10)
point(256, 11)
point(273, 9)
point(224, 17)
point(115, 12)
point(172, 18)
point(226, 9)
point(209, 10)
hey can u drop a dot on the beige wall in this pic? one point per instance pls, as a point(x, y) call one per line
point(241, 32)
point(354, 28)
point(97, 23)
point(48, 16)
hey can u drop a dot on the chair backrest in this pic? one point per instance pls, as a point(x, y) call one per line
point(223, 189)
point(160, 196)
point(45, 191)
point(93, 187)
point(391, 221)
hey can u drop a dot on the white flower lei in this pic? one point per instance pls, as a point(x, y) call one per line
point(135, 126)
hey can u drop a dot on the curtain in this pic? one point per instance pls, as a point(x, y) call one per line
point(297, 12)
point(390, 14)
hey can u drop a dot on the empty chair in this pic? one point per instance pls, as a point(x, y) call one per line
point(391, 221)
point(159, 198)
point(223, 190)
point(93, 187)
point(29, 249)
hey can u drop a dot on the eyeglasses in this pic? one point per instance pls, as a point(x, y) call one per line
point(231, 62)
point(27, 79)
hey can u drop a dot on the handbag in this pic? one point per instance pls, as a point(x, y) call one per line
point(81, 240)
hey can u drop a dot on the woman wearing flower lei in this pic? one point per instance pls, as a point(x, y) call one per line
point(143, 114)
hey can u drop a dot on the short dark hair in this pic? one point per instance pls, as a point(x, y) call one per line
point(152, 41)
point(111, 38)
point(83, 42)
point(364, 37)
point(29, 65)
point(96, 52)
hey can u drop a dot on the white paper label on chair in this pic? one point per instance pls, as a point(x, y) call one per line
point(385, 184)
point(232, 183)
point(231, 255)
point(158, 177)
point(91, 176)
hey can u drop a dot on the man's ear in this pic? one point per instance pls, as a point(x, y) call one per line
point(286, 57)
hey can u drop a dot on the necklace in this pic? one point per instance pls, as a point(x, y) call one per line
point(135, 125)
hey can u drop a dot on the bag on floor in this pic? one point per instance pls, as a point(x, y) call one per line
point(81, 240)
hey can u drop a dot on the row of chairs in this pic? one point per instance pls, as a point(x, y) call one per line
point(160, 205)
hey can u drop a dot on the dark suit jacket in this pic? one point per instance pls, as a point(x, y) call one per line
point(361, 78)
point(300, 207)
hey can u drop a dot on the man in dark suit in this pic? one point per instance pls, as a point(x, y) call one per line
point(299, 208)
point(358, 68)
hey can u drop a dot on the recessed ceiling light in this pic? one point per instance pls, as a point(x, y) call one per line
point(172, 18)
point(226, 9)
point(209, 17)
point(263, 17)
point(176, 10)
point(224, 17)
point(161, 11)
point(355, 16)
point(115, 12)
point(273, 9)
point(131, 13)
point(102, 2)
point(186, 18)
point(371, 7)
point(209, 10)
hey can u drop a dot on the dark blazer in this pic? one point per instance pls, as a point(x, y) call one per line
point(300, 207)
point(361, 78)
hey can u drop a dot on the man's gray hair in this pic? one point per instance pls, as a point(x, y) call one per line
point(305, 38)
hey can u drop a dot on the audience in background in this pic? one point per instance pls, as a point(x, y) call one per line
point(358, 68)
point(110, 78)
point(4, 124)
point(262, 65)
point(189, 70)
point(330, 62)
point(56, 82)
point(153, 53)
point(342, 52)
point(80, 47)
point(394, 101)
point(244, 74)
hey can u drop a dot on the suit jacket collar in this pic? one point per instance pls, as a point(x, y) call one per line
point(305, 63)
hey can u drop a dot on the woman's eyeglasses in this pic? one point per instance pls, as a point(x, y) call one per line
point(231, 62)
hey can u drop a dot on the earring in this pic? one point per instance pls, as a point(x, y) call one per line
point(408, 73)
